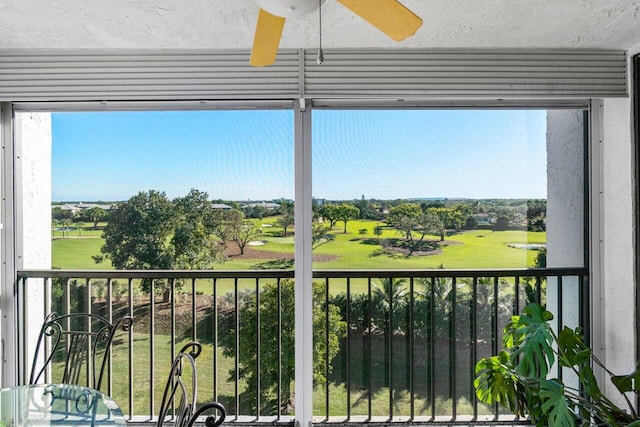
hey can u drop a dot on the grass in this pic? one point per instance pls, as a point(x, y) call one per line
point(76, 252)
point(359, 248)
point(467, 249)
point(85, 230)
point(144, 385)
point(380, 402)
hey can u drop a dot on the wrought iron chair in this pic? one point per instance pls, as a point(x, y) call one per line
point(182, 398)
point(76, 347)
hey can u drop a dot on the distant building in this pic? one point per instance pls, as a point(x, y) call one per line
point(267, 205)
point(77, 207)
point(484, 219)
point(220, 206)
point(95, 205)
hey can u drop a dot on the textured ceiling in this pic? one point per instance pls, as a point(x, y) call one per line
point(229, 24)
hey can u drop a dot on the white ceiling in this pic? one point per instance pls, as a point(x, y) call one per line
point(229, 24)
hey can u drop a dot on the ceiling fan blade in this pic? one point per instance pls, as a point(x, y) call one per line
point(389, 16)
point(267, 39)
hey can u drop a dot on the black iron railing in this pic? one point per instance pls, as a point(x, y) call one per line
point(392, 345)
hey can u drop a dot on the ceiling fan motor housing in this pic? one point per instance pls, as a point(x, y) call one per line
point(289, 8)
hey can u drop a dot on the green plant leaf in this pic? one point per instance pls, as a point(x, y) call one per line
point(589, 383)
point(496, 382)
point(532, 334)
point(627, 383)
point(533, 402)
point(516, 378)
point(573, 349)
point(556, 405)
point(511, 337)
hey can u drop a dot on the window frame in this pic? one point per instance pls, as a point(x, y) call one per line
point(302, 126)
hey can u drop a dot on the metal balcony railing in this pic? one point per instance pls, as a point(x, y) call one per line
point(389, 345)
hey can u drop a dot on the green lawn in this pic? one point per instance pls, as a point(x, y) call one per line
point(468, 249)
point(74, 253)
point(85, 230)
point(226, 387)
point(161, 364)
point(353, 250)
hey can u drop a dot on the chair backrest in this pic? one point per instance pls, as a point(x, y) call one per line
point(76, 348)
point(182, 397)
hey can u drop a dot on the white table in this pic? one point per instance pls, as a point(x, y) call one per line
point(57, 404)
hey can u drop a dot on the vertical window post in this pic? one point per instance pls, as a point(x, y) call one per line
point(303, 266)
point(9, 358)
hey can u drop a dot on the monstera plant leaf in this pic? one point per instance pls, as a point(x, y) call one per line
point(517, 377)
point(556, 406)
point(572, 347)
point(627, 383)
point(531, 339)
point(496, 382)
point(574, 353)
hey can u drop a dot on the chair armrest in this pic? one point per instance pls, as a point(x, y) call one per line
point(212, 420)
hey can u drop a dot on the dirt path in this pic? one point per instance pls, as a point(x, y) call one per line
point(233, 252)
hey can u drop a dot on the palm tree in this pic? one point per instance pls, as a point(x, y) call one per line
point(388, 300)
point(433, 300)
point(66, 224)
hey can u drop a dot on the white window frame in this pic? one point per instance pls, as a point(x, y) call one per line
point(302, 126)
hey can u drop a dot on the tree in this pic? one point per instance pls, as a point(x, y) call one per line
point(541, 258)
point(95, 215)
point(536, 208)
point(538, 223)
point(137, 234)
point(502, 223)
point(58, 213)
point(245, 233)
point(320, 234)
point(258, 211)
point(471, 223)
point(448, 218)
point(330, 213)
point(367, 209)
point(377, 230)
point(78, 224)
point(432, 204)
point(405, 219)
point(430, 223)
point(433, 306)
point(65, 224)
point(345, 212)
point(225, 222)
point(272, 298)
point(194, 244)
point(439, 218)
point(286, 218)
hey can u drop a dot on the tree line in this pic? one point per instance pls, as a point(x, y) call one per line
point(529, 214)
point(149, 231)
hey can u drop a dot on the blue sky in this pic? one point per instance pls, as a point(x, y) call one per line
point(248, 155)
